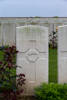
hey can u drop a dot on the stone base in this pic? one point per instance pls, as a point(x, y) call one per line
point(26, 98)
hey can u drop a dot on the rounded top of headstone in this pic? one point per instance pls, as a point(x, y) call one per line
point(34, 26)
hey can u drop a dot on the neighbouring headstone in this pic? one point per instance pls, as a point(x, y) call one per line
point(9, 33)
point(1, 40)
point(62, 54)
point(32, 44)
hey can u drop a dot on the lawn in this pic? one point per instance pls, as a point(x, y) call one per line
point(1, 55)
point(52, 64)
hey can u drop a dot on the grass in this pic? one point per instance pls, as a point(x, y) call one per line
point(53, 65)
point(1, 55)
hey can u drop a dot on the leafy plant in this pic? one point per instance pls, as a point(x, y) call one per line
point(51, 92)
point(53, 40)
point(8, 85)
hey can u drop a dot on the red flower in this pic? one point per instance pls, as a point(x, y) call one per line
point(1, 62)
point(17, 51)
point(19, 92)
point(14, 46)
point(9, 65)
point(21, 75)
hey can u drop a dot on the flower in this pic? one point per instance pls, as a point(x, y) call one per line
point(17, 51)
point(1, 62)
point(9, 65)
point(21, 75)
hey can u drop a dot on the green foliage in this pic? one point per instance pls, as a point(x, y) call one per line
point(55, 17)
point(51, 92)
point(9, 80)
point(7, 74)
point(37, 17)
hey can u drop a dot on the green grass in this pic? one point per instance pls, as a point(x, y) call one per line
point(1, 55)
point(53, 65)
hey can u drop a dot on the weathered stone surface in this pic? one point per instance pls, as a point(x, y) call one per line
point(26, 98)
point(59, 20)
point(43, 21)
point(62, 54)
point(32, 44)
point(8, 33)
point(1, 39)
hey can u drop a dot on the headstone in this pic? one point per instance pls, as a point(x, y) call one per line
point(1, 41)
point(8, 32)
point(32, 44)
point(51, 28)
point(62, 54)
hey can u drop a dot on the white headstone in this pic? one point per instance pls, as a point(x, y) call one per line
point(62, 54)
point(1, 41)
point(32, 44)
point(8, 31)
